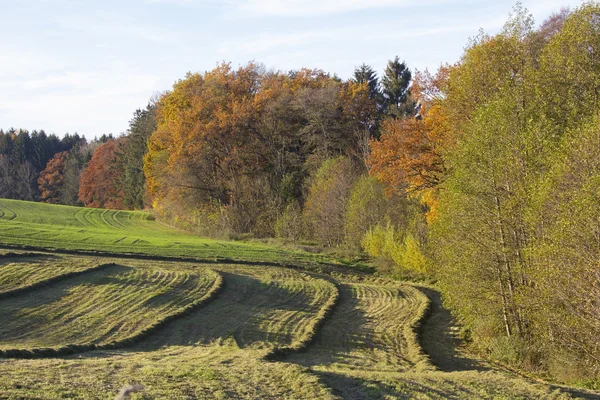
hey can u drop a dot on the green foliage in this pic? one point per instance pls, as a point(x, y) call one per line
point(565, 218)
point(290, 224)
point(365, 74)
point(325, 207)
point(402, 248)
point(23, 155)
point(366, 208)
point(518, 209)
point(395, 89)
point(141, 127)
point(412, 256)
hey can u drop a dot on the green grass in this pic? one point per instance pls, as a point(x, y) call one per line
point(18, 273)
point(220, 371)
point(367, 331)
point(260, 308)
point(218, 330)
point(219, 351)
point(99, 307)
point(47, 226)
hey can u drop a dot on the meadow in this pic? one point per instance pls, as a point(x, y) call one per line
point(31, 225)
point(88, 326)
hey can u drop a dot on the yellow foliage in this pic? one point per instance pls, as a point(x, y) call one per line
point(412, 257)
point(404, 251)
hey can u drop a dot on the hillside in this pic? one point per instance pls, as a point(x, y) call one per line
point(66, 228)
point(85, 326)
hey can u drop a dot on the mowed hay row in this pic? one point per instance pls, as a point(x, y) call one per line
point(21, 274)
point(412, 331)
point(200, 372)
point(367, 330)
point(308, 332)
point(107, 309)
point(259, 308)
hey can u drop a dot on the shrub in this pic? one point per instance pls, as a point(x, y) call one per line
point(325, 208)
point(289, 225)
point(403, 249)
point(365, 209)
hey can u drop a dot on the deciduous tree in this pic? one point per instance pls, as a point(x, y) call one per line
point(101, 181)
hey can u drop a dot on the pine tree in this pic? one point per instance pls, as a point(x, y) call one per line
point(141, 127)
point(365, 74)
point(396, 79)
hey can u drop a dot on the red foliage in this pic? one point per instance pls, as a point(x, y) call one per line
point(100, 184)
point(51, 178)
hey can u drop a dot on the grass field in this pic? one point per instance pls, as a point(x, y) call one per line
point(99, 307)
point(54, 227)
point(22, 272)
point(192, 330)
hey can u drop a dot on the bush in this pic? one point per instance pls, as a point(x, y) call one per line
point(289, 225)
point(365, 209)
point(403, 249)
point(325, 208)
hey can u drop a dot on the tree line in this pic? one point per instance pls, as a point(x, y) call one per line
point(482, 176)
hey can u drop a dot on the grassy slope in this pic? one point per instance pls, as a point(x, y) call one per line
point(98, 307)
point(17, 273)
point(365, 346)
point(120, 232)
point(216, 352)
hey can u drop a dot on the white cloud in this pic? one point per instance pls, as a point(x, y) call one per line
point(269, 43)
point(89, 102)
point(301, 8)
point(312, 7)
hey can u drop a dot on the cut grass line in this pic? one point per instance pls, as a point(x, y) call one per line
point(322, 267)
point(9, 217)
point(310, 331)
point(69, 349)
point(117, 222)
point(415, 352)
point(55, 279)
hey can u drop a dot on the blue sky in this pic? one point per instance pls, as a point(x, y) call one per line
point(85, 66)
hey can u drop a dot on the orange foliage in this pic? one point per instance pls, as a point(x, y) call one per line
point(408, 155)
point(100, 184)
point(202, 127)
point(51, 178)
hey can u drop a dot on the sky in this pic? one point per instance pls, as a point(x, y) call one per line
point(85, 66)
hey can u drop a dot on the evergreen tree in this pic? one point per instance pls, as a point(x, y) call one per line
point(394, 84)
point(141, 127)
point(365, 74)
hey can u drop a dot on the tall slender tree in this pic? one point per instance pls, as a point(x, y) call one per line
point(141, 127)
point(365, 74)
point(395, 83)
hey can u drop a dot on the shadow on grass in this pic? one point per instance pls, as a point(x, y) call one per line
point(10, 257)
point(244, 311)
point(344, 333)
point(19, 322)
point(440, 341)
point(355, 388)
